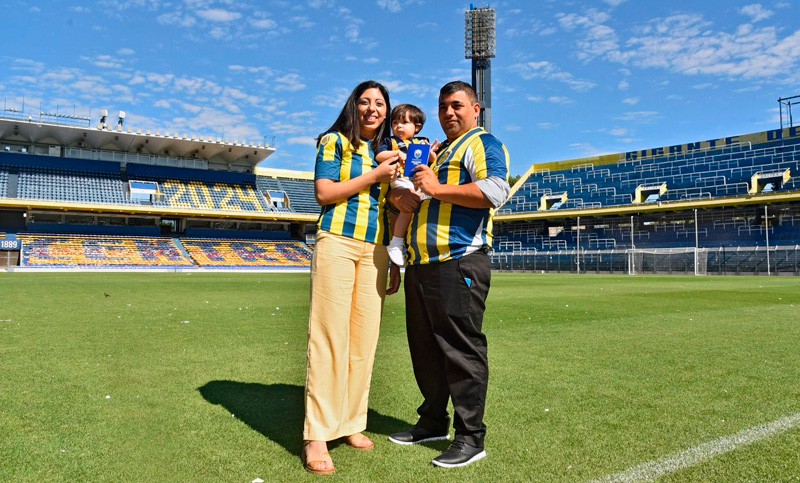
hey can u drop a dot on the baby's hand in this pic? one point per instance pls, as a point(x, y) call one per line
point(432, 154)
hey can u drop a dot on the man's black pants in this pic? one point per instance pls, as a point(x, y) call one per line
point(444, 314)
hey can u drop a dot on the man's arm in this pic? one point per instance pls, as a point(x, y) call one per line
point(404, 200)
point(468, 195)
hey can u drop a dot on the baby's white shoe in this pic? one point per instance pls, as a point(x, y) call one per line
point(397, 251)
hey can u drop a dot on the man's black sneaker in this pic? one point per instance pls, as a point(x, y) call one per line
point(459, 454)
point(417, 435)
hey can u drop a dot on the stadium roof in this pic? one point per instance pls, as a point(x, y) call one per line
point(124, 139)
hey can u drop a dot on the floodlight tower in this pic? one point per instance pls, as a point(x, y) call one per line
point(479, 41)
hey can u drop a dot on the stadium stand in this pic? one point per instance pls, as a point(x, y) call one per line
point(40, 178)
point(725, 206)
point(300, 192)
point(86, 251)
point(702, 174)
point(70, 185)
point(212, 196)
point(100, 252)
point(225, 253)
point(3, 181)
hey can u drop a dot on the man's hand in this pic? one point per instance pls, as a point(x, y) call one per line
point(404, 200)
point(394, 280)
point(425, 180)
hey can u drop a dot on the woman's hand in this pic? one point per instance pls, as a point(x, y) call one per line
point(394, 280)
point(386, 172)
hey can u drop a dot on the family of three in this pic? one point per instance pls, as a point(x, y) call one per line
point(444, 219)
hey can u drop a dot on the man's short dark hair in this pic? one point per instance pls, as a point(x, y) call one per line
point(455, 86)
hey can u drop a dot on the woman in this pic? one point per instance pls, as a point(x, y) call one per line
point(348, 275)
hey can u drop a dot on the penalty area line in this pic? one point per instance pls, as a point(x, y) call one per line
point(655, 469)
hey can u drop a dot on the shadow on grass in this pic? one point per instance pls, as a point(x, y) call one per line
point(276, 410)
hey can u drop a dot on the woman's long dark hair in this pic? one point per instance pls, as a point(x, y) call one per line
point(347, 122)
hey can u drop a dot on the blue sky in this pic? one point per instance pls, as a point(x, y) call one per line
point(570, 79)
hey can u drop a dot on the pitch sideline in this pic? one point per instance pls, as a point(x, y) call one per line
point(689, 457)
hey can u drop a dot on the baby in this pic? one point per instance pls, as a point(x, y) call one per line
point(407, 121)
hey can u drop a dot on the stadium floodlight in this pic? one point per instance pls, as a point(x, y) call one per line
point(479, 45)
point(120, 120)
point(479, 27)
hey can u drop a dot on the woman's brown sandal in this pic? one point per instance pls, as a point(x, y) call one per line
point(359, 441)
point(313, 462)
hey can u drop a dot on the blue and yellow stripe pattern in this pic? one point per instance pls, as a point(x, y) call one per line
point(362, 216)
point(442, 231)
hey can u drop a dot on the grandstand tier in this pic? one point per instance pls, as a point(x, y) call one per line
point(115, 252)
point(222, 253)
point(84, 251)
point(34, 177)
point(733, 167)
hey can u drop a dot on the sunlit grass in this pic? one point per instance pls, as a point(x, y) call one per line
point(199, 376)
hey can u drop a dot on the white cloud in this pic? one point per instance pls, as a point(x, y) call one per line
point(366, 60)
point(549, 71)
point(623, 84)
point(264, 23)
point(560, 100)
point(302, 140)
point(638, 116)
point(281, 127)
point(513, 127)
point(534, 98)
point(688, 44)
point(618, 132)
point(176, 18)
point(218, 15)
point(303, 22)
point(756, 12)
point(414, 88)
point(104, 61)
point(125, 51)
point(573, 20)
point(289, 82)
point(631, 101)
point(390, 5)
point(334, 99)
point(587, 149)
point(545, 125)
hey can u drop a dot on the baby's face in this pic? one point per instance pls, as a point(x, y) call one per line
point(403, 128)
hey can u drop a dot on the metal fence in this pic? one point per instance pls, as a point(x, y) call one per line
point(777, 260)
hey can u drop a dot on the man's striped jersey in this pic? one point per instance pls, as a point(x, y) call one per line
point(442, 231)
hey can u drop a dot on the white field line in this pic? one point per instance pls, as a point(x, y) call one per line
point(655, 469)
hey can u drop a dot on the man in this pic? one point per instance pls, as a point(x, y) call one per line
point(448, 275)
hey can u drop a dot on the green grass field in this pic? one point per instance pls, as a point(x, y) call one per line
point(176, 377)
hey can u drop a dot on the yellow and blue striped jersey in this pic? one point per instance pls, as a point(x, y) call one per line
point(442, 231)
point(394, 143)
point(362, 216)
